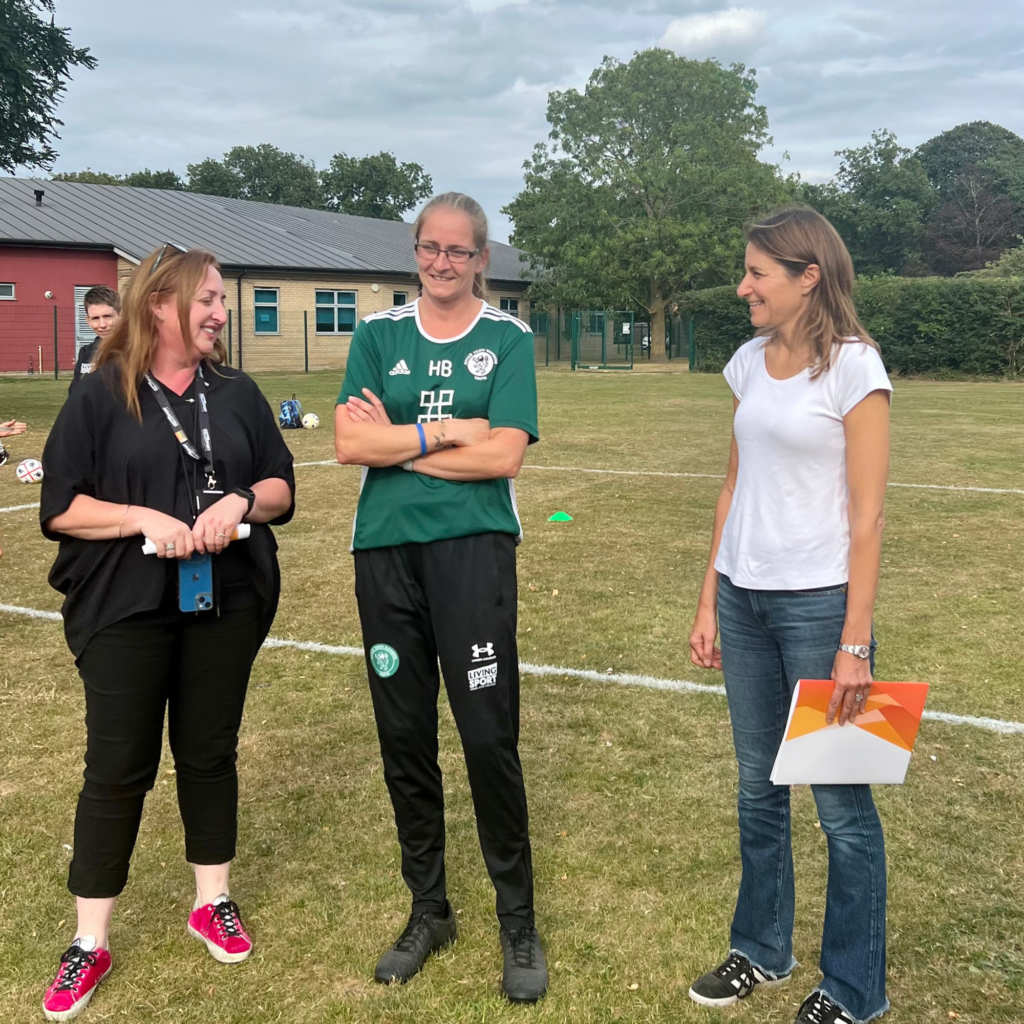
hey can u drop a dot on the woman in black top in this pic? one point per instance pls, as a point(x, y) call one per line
point(162, 442)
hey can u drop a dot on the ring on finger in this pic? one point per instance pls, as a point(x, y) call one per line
point(218, 535)
point(858, 697)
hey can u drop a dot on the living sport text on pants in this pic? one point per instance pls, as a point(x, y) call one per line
point(770, 639)
point(453, 600)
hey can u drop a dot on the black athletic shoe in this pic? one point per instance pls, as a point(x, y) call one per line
point(819, 1009)
point(732, 980)
point(524, 978)
point(423, 935)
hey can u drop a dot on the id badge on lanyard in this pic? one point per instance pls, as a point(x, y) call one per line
point(195, 574)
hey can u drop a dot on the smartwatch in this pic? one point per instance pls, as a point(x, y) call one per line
point(248, 494)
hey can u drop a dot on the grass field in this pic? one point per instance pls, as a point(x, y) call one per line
point(632, 791)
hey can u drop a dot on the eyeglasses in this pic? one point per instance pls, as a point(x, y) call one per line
point(428, 251)
point(163, 249)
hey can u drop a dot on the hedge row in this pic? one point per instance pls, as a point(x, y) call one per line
point(935, 326)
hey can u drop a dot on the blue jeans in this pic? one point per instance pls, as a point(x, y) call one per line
point(770, 639)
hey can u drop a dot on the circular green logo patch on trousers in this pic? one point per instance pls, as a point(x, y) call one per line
point(384, 659)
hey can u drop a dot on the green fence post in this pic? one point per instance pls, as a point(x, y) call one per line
point(691, 335)
point(305, 336)
point(55, 350)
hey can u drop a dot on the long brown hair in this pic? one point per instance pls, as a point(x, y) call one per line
point(473, 210)
point(133, 341)
point(796, 237)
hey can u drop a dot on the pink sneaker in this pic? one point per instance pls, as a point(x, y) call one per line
point(82, 968)
point(219, 925)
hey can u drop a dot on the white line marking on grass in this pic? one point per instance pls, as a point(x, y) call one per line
point(19, 508)
point(948, 487)
point(309, 645)
point(31, 613)
point(710, 476)
point(622, 679)
point(719, 476)
point(629, 472)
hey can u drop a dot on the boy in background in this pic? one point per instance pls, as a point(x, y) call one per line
point(102, 310)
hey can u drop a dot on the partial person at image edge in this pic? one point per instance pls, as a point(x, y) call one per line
point(791, 584)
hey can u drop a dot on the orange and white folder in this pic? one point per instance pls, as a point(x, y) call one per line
point(874, 748)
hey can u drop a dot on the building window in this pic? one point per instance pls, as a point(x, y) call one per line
point(266, 311)
point(335, 312)
point(399, 298)
point(6, 291)
point(597, 323)
point(509, 306)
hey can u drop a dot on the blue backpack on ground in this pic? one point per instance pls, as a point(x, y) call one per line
point(291, 414)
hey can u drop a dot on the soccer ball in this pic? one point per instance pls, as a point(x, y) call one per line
point(30, 471)
point(311, 421)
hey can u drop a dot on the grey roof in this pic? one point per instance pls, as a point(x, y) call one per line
point(241, 233)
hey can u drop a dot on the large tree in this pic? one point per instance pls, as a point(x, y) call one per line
point(977, 170)
point(263, 173)
point(976, 222)
point(212, 178)
point(878, 202)
point(373, 186)
point(138, 179)
point(643, 191)
point(36, 58)
point(976, 144)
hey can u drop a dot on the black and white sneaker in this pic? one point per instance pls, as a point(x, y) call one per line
point(423, 935)
point(732, 980)
point(817, 1008)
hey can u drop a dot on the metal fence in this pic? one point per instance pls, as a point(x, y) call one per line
point(42, 340)
point(37, 339)
point(295, 341)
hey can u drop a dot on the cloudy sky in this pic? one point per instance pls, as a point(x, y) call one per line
point(461, 86)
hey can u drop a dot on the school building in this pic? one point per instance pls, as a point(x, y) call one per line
point(298, 281)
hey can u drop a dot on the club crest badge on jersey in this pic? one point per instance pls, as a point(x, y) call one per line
point(481, 362)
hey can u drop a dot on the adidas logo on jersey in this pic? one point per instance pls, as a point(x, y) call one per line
point(400, 367)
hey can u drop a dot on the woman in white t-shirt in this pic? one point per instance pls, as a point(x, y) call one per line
point(791, 584)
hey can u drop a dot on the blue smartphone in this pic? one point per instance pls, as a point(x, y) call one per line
point(195, 583)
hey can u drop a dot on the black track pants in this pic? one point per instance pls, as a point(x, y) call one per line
point(453, 600)
point(197, 667)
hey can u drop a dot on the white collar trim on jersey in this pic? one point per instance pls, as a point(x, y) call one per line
point(447, 341)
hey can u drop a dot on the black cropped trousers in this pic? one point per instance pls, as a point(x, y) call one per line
point(196, 666)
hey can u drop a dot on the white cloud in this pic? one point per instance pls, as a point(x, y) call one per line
point(701, 33)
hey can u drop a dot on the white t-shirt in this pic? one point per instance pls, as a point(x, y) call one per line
point(788, 525)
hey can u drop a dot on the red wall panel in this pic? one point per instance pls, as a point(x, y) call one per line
point(27, 323)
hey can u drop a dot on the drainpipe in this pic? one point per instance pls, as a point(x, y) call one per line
point(241, 274)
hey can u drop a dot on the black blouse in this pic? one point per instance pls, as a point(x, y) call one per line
point(98, 448)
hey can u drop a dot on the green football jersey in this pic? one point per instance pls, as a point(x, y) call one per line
point(485, 372)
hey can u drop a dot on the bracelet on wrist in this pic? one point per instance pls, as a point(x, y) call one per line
point(423, 438)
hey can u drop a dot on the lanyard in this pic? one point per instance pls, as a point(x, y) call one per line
point(179, 431)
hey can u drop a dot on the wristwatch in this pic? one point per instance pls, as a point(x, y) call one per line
point(248, 494)
point(861, 651)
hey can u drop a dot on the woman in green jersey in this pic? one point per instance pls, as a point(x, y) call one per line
point(438, 406)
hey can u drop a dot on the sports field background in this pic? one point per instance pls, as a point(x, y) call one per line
point(632, 790)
